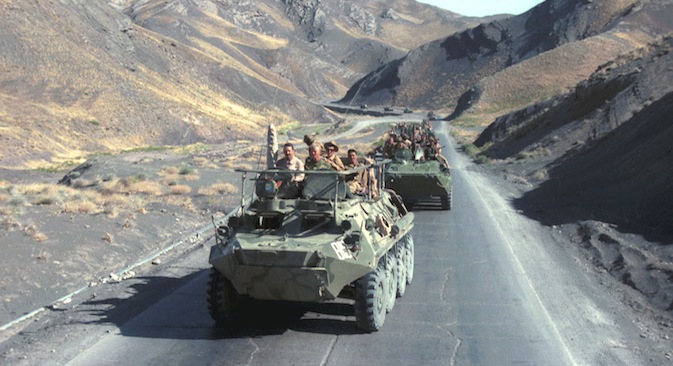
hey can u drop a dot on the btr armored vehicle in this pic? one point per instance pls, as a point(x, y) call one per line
point(312, 240)
point(418, 172)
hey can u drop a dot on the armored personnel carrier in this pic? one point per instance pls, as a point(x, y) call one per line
point(418, 172)
point(312, 241)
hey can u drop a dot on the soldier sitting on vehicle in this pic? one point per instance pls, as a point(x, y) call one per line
point(291, 162)
point(315, 160)
point(388, 147)
point(363, 181)
point(332, 158)
point(433, 151)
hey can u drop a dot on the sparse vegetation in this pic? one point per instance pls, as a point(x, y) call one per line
point(200, 161)
point(217, 188)
point(180, 189)
point(197, 148)
point(282, 130)
point(187, 170)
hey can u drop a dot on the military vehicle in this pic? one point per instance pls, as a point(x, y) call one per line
point(418, 172)
point(312, 241)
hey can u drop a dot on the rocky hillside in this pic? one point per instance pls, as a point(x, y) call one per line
point(509, 63)
point(95, 76)
point(604, 149)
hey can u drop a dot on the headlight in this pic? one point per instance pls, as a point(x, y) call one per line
point(270, 187)
point(266, 188)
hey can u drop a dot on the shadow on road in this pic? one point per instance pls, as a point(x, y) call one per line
point(176, 308)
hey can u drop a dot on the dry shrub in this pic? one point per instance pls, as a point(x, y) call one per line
point(145, 187)
point(4, 184)
point(243, 166)
point(39, 237)
point(190, 177)
point(180, 189)
point(212, 166)
point(35, 234)
point(519, 180)
point(110, 187)
point(111, 211)
point(35, 189)
point(217, 188)
point(185, 202)
point(4, 197)
point(83, 183)
point(119, 200)
point(79, 207)
point(46, 199)
point(200, 161)
point(169, 171)
point(540, 175)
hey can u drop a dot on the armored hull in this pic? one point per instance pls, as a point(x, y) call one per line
point(313, 242)
point(425, 182)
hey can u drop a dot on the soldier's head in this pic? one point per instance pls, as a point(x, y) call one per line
point(352, 156)
point(288, 150)
point(315, 151)
point(331, 148)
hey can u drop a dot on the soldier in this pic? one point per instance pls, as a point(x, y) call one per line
point(364, 180)
point(388, 148)
point(315, 160)
point(332, 157)
point(291, 162)
point(310, 140)
point(356, 181)
point(434, 152)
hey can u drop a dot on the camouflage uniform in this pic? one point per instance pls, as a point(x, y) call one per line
point(311, 164)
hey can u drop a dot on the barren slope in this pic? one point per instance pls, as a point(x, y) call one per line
point(88, 76)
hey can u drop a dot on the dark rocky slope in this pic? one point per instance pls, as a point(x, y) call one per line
point(437, 74)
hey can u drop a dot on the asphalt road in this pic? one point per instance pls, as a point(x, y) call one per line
point(490, 288)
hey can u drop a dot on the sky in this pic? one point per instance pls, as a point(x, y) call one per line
point(480, 8)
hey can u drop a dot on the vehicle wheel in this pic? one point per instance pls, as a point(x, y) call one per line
point(391, 273)
point(371, 299)
point(401, 268)
point(225, 305)
point(446, 201)
point(409, 247)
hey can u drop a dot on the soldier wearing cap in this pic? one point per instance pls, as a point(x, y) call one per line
point(310, 140)
point(332, 157)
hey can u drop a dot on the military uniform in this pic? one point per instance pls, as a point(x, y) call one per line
point(295, 164)
point(311, 164)
point(334, 160)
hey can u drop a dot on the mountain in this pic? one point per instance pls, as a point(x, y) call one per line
point(79, 77)
point(604, 149)
point(509, 63)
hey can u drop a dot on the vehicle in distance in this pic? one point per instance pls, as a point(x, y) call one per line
point(418, 172)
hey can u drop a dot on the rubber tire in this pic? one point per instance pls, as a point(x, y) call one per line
point(391, 273)
point(225, 304)
point(371, 299)
point(401, 254)
point(409, 247)
point(446, 201)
